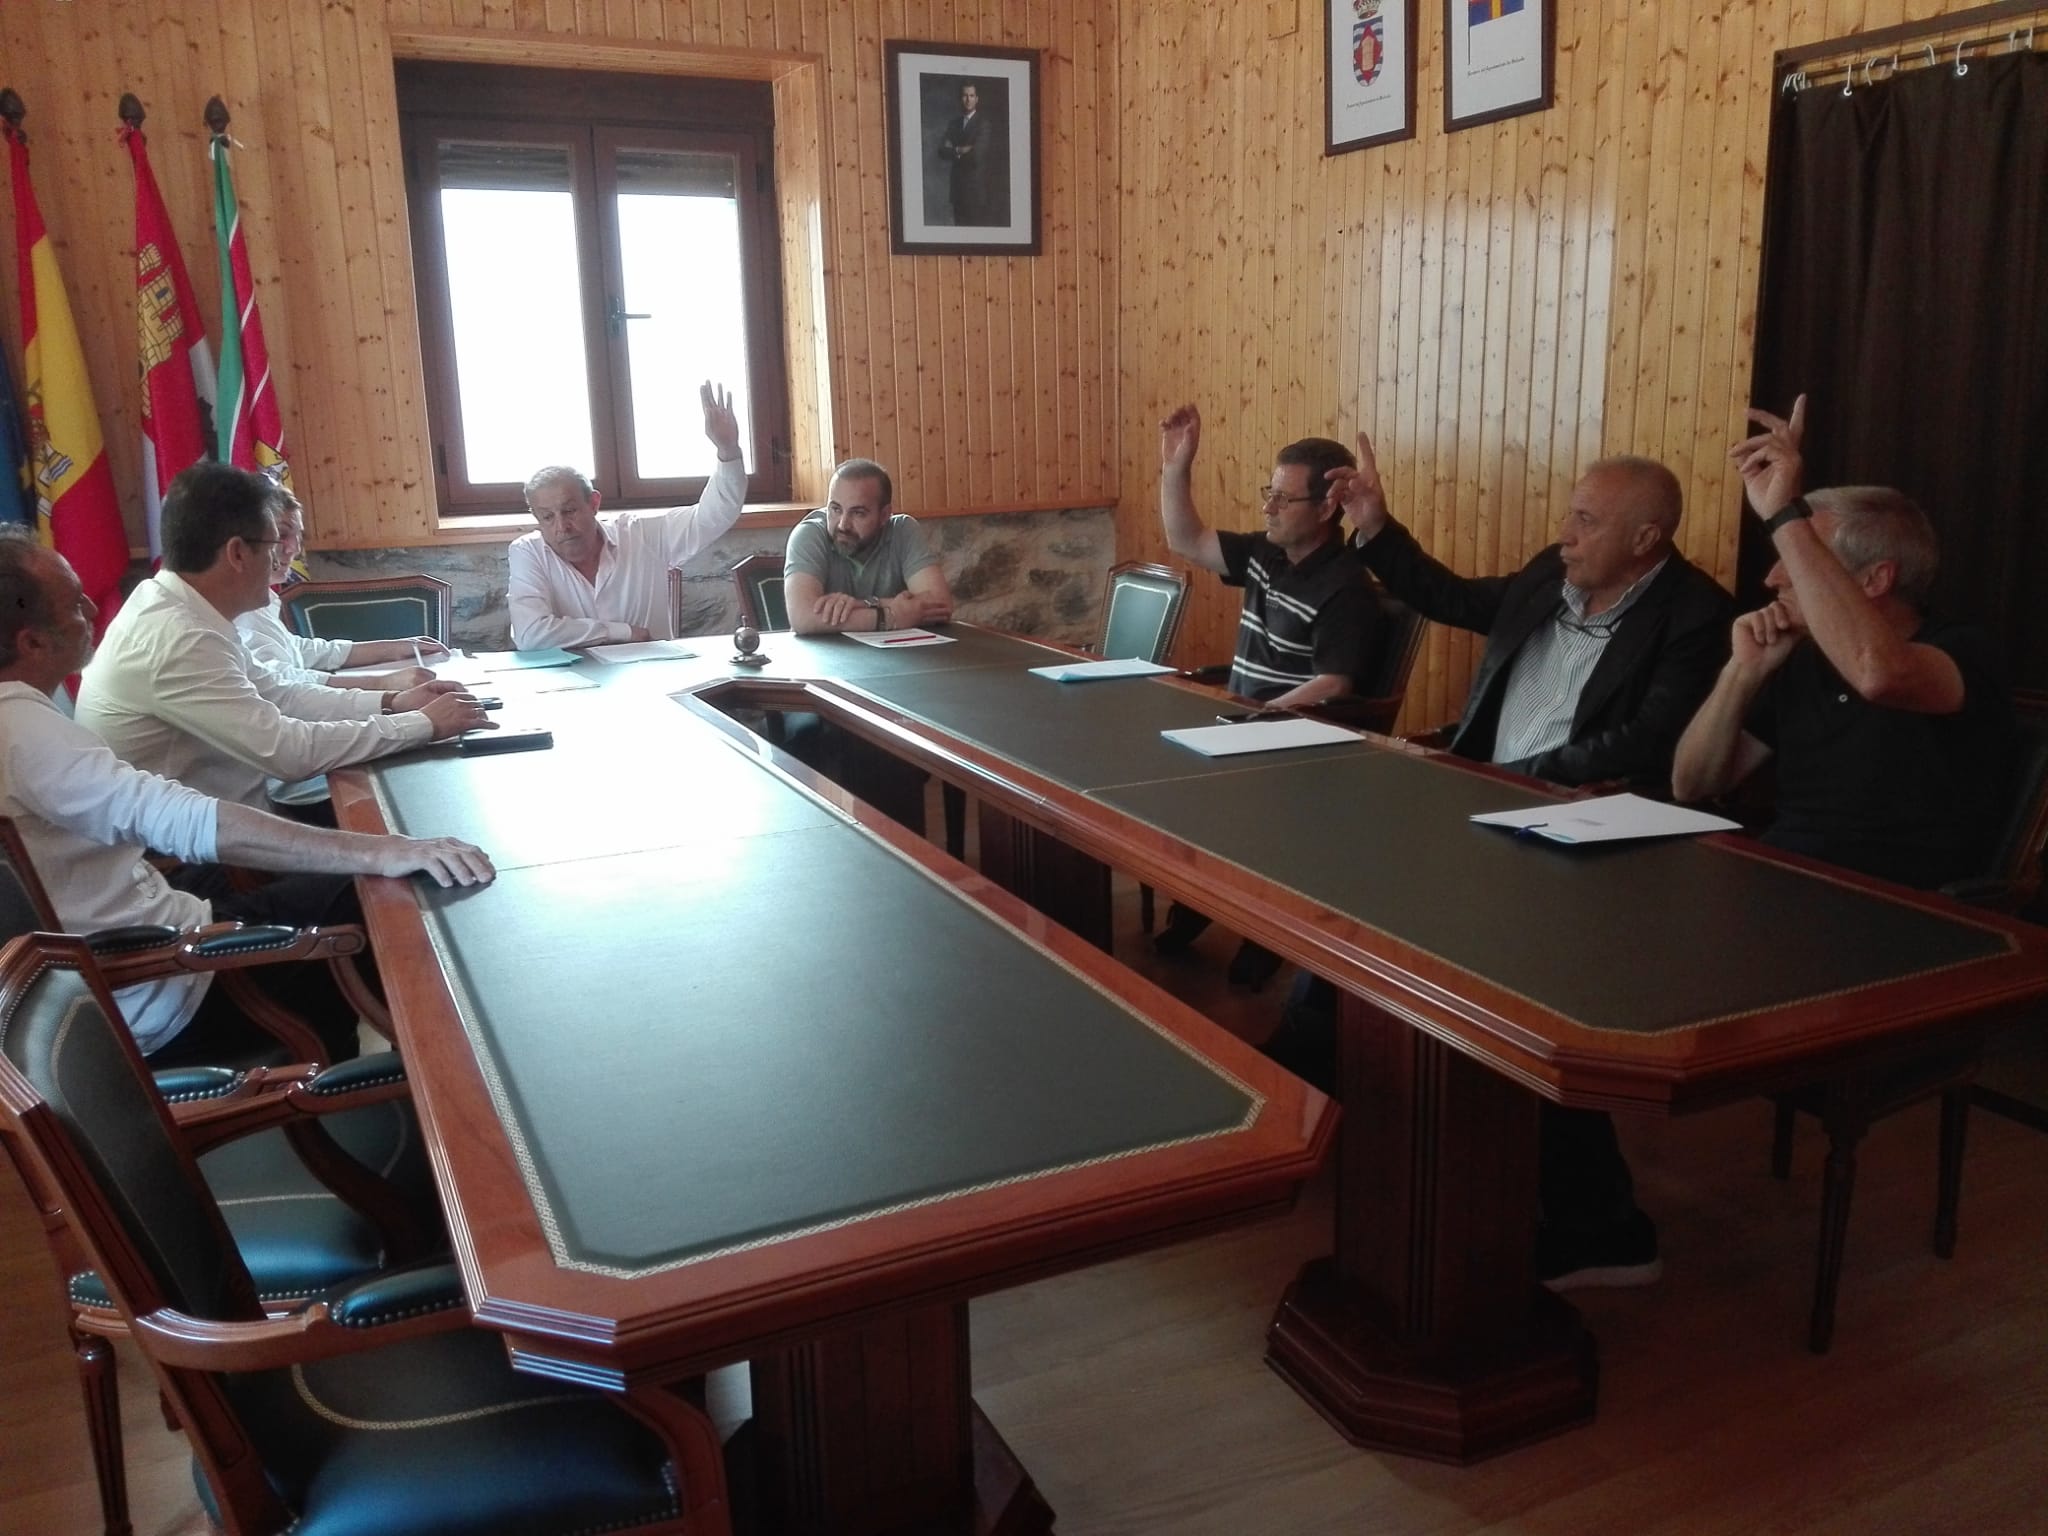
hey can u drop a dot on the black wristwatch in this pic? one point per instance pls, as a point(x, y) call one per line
point(1791, 512)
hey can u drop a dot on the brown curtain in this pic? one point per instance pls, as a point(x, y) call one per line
point(1905, 289)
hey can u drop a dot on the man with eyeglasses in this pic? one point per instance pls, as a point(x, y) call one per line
point(86, 818)
point(1597, 653)
point(173, 690)
point(1308, 612)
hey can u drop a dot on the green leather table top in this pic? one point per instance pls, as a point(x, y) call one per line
point(701, 1047)
point(615, 781)
point(836, 656)
point(1641, 937)
point(1082, 735)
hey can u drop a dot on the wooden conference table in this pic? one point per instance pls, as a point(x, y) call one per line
point(725, 1067)
point(1476, 968)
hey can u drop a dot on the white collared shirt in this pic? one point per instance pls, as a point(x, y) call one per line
point(552, 603)
point(294, 658)
point(86, 817)
point(173, 691)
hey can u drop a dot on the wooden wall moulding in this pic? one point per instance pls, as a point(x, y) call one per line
point(1497, 59)
point(963, 149)
point(1369, 73)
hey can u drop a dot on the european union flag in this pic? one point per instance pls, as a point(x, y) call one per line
point(17, 505)
point(1490, 10)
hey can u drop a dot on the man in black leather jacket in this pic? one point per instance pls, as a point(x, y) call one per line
point(1598, 651)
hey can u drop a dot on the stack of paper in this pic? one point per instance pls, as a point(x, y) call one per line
point(1095, 671)
point(900, 637)
point(1259, 736)
point(1607, 819)
point(639, 650)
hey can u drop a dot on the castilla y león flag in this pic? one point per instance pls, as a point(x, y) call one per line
point(177, 370)
point(249, 430)
point(76, 511)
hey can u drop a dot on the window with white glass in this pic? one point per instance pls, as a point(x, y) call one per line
point(589, 250)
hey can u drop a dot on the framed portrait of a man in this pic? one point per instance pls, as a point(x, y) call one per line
point(963, 149)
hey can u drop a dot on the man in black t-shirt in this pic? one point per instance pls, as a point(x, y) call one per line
point(1308, 612)
point(1891, 728)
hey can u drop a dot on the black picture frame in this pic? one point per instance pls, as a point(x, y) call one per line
point(1506, 69)
point(1368, 73)
point(943, 201)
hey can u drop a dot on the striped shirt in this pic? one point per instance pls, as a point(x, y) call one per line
point(1550, 672)
point(1299, 621)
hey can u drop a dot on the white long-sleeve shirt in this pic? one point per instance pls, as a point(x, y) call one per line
point(173, 691)
point(294, 658)
point(86, 817)
point(552, 603)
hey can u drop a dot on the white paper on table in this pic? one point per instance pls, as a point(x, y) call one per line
point(639, 650)
point(1259, 736)
point(1607, 819)
point(900, 637)
point(541, 680)
point(1095, 671)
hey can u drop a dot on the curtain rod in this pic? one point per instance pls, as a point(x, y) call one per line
point(1787, 60)
point(1957, 56)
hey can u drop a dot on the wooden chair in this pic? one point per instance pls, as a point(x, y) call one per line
point(321, 1172)
point(371, 608)
point(1847, 1107)
point(1142, 606)
point(378, 1406)
point(1383, 685)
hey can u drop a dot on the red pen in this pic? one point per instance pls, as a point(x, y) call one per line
point(906, 640)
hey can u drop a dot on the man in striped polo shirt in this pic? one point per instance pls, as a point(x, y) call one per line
point(1307, 608)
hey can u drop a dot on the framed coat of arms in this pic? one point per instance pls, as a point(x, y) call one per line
point(1369, 64)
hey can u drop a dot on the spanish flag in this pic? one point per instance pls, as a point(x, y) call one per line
point(177, 370)
point(249, 431)
point(76, 511)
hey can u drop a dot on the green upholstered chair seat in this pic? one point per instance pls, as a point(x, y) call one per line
point(1141, 612)
point(757, 583)
point(439, 1437)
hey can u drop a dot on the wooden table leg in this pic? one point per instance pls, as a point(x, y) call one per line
point(1426, 1332)
point(1067, 886)
point(871, 1431)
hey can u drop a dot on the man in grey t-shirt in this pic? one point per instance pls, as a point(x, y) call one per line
point(853, 565)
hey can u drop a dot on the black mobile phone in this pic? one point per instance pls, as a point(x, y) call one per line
point(484, 743)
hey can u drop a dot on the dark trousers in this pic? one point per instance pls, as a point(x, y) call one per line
point(1583, 1178)
point(219, 1031)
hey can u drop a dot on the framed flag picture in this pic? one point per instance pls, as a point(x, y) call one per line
point(1369, 65)
point(963, 149)
point(1497, 59)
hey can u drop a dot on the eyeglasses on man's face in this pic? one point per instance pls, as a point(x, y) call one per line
point(1271, 496)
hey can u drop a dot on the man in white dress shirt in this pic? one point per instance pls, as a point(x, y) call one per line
point(173, 690)
point(579, 579)
point(86, 818)
point(304, 659)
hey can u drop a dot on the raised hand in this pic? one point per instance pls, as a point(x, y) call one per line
point(1770, 464)
point(721, 423)
point(1359, 492)
point(1179, 436)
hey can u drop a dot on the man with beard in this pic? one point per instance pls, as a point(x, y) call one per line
point(855, 565)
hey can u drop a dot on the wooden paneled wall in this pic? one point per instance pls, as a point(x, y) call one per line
point(984, 382)
point(1497, 307)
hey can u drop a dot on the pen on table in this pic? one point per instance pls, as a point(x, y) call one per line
point(418, 660)
point(906, 639)
point(1530, 826)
